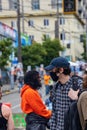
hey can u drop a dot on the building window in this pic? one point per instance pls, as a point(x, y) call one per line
point(31, 37)
point(0, 5)
point(46, 22)
point(55, 3)
point(30, 23)
point(81, 38)
point(62, 36)
point(62, 21)
point(12, 24)
point(35, 4)
point(12, 4)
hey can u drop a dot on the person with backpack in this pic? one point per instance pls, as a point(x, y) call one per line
point(82, 105)
point(62, 92)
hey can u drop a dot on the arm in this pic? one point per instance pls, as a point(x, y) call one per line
point(37, 104)
point(7, 113)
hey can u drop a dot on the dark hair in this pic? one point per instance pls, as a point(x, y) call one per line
point(67, 71)
point(32, 78)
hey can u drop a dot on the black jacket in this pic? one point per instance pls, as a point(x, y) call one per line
point(71, 118)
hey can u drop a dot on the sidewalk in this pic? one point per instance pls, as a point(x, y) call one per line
point(6, 89)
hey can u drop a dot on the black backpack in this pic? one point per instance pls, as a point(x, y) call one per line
point(71, 116)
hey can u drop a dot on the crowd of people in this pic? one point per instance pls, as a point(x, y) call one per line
point(65, 90)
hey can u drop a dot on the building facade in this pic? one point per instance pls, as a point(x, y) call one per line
point(38, 18)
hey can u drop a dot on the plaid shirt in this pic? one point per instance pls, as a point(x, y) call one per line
point(61, 102)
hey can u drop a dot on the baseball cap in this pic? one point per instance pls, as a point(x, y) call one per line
point(58, 62)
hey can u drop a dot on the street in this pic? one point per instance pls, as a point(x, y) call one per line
point(14, 99)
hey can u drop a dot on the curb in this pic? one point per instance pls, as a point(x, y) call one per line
point(7, 92)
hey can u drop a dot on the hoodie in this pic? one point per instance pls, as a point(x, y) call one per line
point(31, 101)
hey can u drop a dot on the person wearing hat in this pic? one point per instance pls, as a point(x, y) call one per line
point(62, 93)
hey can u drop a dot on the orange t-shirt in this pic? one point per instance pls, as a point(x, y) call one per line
point(31, 101)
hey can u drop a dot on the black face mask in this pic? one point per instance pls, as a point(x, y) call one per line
point(54, 76)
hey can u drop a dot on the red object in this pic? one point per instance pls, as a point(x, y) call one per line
point(7, 104)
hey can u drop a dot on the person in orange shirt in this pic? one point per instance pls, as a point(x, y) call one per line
point(47, 79)
point(37, 114)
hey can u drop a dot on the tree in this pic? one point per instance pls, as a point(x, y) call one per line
point(6, 50)
point(38, 53)
point(33, 55)
point(52, 47)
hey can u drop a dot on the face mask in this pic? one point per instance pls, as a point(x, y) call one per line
point(54, 76)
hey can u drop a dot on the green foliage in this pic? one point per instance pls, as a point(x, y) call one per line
point(33, 55)
point(38, 53)
point(52, 47)
point(6, 49)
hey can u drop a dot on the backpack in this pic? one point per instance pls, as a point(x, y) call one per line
point(71, 116)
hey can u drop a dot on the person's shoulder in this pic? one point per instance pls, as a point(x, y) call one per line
point(83, 94)
point(6, 107)
point(6, 111)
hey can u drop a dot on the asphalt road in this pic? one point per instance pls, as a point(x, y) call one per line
point(14, 99)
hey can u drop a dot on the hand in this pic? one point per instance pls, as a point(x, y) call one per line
point(73, 94)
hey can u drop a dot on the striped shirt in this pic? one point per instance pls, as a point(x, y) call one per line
point(61, 102)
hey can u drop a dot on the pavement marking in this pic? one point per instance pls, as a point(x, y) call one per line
point(16, 106)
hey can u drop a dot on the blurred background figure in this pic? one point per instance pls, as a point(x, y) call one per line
point(20, 78)
point(47, 79)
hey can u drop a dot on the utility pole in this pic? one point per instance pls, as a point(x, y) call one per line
point(86, 37)
point(57, 22)
point(22, 3)
point(19, 32)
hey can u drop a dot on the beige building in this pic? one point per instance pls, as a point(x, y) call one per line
point(38, 17)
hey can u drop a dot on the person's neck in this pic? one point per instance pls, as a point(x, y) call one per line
point(64, 78)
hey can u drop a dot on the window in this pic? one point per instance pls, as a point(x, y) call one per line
point(35, 4)
point(12, 24)
point(0, 5)
point(31, 37)
point(30, 23)
point(55, 3)
point(62, 36)
point(46, 22)
point(62, 21)
point(81, 38)
point(12, 4)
